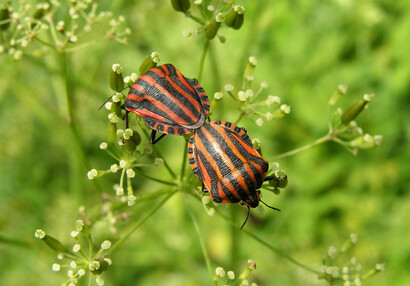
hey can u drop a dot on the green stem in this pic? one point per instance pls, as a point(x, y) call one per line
point(202, 242)
point(321, 140)
point(158, 153)
point(141, 222)
point(142, 174)
point(280, 252)
point(239, 118)
point(202, 60)
point(181, 178)
point(274, 249)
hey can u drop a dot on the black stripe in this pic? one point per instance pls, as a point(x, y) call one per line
point(237, 163)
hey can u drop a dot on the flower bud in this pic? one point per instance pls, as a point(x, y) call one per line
point(252, 62)
point(280, 179)
point(181, 5)
point(148, 63)
point(116, 79)
point(366, 141)
point(281, 111)
point(54, 244)
point(4, 15)
point(212, 29)
point(235, 17)
point(112, 132)
point(353, 111)
point(341, 90)
point(98, 266)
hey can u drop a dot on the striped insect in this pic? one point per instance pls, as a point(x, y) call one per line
point(222, 156)
point(168, 102)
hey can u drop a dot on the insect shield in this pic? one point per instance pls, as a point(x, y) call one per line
point(222, 156)
point(168, 102)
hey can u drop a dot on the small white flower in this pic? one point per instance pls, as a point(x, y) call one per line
point(272, 100)
point(99, 280)
point(249, 92)
point(108, 260)
point(198, 2)
point(380, 266)
point(130, 173)
point(231, 275)
point(211, 212)
point(123, 164)
point(159, 161)
point(239, 9)
point(259, 122)
point(39, 233)
point(74, 234)
point(252, 60)
point(119, 191)
point(128, 133)
point(206, 200)
point(285, 108)
point(79, 225)
point(264, 84)
point(103, 145)
point(332, 252)
point(242, 96)
point(117, 68)
point(114, 168)
point(108, 105)
point(219, 271)
point(73, 265)
point(218, 95)
point(81, 272)
point(210, 8)
point(228, 87)
point(92, 174)
point(219, 17)
point(155, 57)
point(106, 244)
point(269, 116)
point(117, 97)
point(131, 200)
point(76, 247)
point(56, 267)
point(113, 118)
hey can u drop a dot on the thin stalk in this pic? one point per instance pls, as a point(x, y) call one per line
point(141, 222)
point(202, 242)
point(239, 118)
point(158, 153)
point(321, 140)
point(202, 60)
point(181, 178)
point(142, 174)
point(280, 252)
point(274, 249)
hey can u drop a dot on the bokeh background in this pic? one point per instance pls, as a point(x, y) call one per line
point(305, 49)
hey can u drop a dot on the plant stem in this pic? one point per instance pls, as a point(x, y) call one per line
point(181, 178)
point(321, 140)
point(280, 253)
point(141, 222)
point(202, 60)
point(202, 242)
point(154, 179)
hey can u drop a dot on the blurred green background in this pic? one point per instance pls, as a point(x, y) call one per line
point(305, 49)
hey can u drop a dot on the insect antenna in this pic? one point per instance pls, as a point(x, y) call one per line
point(111, 97)
point(269, 206)
point(247, 216)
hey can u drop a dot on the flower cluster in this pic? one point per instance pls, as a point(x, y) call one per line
point(81, 257)
point(124, 144)
point(349, 272)
point(246, 98)
point(41, 23)
point(343, 128)
point(229, 277)
point(211, 16)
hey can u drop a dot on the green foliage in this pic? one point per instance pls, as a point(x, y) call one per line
point(56, 73)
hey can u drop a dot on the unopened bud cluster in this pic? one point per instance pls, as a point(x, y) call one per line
point(228, 14)
point(247, 98)
point(343, 127)
point(349, 273)
point(74, 259)
point(65, 23)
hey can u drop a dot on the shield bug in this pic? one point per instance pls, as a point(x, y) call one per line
point(168, 102)
point(222, 156)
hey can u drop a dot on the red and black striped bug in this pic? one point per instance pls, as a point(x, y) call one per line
point(222, 156)
point(168, 102)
